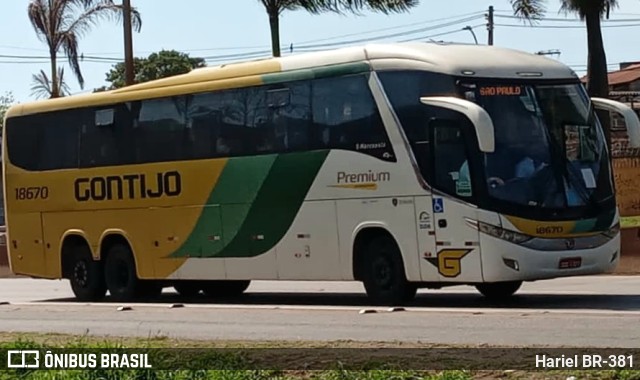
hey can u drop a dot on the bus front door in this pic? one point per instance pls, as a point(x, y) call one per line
point(457, 251)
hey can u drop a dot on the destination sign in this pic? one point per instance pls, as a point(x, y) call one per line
point(501, 91)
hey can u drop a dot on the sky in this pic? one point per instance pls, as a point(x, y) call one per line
point(226, 30)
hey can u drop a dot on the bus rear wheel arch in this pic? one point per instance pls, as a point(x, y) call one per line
point(84, 273)
point(378, 264)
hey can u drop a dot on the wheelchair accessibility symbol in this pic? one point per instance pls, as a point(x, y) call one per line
point(438, 206)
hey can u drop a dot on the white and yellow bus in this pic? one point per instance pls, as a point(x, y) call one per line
point(403, 166)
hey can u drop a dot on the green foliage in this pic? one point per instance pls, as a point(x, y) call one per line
point(275, 8)
point(6, 101)
point(163, 64)
point(61, 24)
point(534, 9)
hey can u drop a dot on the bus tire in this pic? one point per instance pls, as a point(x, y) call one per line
point(225, 288)
point(383, 273)
point(188, 288)
point(120, 274)
point(499, 291)
point(86, 275)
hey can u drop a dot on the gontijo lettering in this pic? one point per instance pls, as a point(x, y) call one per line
point(130, 186)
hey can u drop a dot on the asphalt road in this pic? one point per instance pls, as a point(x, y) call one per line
point(598, 311)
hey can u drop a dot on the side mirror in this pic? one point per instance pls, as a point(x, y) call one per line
point(480, 119)
point(630, 118)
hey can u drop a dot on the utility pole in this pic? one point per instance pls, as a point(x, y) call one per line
point(128, 43)
point(490, 25)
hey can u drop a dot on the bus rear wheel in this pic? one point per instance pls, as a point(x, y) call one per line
point(225, 288)
point(383, 274)
point(86, 276)
point(499, 291)
point(188, 288)
point(120, 274)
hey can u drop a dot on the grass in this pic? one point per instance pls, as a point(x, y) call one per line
point(630, 221)
point(368, 368)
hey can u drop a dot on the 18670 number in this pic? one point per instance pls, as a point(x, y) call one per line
point(29, 193)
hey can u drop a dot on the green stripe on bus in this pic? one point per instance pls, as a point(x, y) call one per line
point(277, 204)
point(239, 185)
point(318, 72)
point(237, 188)
point(253, 205)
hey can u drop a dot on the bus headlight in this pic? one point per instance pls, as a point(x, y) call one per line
point(501, 233)
point(613, 231)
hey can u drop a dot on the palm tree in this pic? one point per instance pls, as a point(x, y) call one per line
point(591, 11)
point(61, 24)
point(275, 7)
point(43, 87)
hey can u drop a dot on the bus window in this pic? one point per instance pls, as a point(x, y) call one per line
point(23, 139)
point(59, 146)
point(451, 162)
point(160, 128)
point(344, 111)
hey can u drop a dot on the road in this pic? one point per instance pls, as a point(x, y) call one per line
point(599, 311)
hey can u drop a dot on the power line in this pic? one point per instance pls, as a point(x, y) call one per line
point(570, 20)
point(324, 39)
point(441, 34)
point(565, 26)
point(477, 14)
point(309, 45)
point(312, 47)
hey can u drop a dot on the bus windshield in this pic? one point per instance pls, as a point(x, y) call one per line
point(550, 150)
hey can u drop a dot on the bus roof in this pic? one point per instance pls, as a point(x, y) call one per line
point(454, 59)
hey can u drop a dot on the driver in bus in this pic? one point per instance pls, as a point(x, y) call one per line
point(521, 148)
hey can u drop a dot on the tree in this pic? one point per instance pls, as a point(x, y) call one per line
point(275, 7)
point(163, 64)
point(43, 87)
point(6, 101)
point(592, 12)
point(61, 23)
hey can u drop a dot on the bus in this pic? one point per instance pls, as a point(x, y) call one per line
point(402, 166)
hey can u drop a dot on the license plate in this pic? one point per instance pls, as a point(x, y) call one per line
point(570, 263)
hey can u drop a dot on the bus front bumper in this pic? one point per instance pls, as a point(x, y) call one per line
point(505, 261)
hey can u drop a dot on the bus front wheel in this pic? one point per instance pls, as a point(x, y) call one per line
point(383, 274)
point(499, 291)
point(120, 274)
point(86, 276)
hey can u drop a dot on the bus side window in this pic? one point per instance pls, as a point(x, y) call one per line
point(293, 119)
point(345, 106)
point(161, 126)
point(105, 136)
point(23, 138)
point(97, 139)
point(59, 143)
